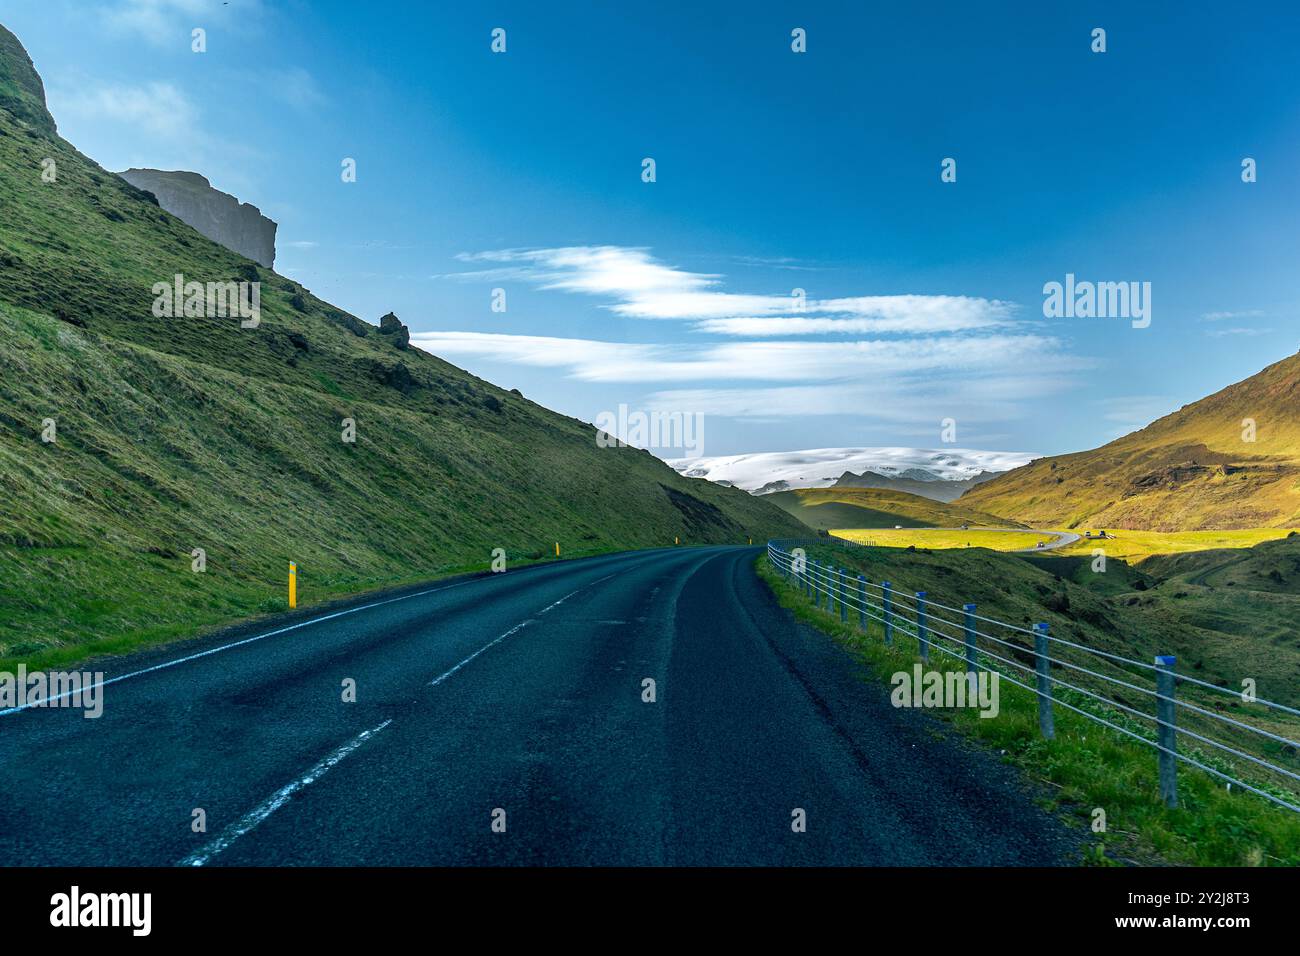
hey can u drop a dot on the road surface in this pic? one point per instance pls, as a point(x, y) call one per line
point(519, 692)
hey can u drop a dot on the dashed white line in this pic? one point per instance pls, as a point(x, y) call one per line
point(278, 799)
point(514, 630)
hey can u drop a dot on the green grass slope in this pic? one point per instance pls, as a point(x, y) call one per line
point(176, 434)
point(1189, 471)
point(827, 508)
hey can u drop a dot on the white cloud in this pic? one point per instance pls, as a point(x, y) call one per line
point(915, 358)
point(1236, 330)
point(905, 314)
point(1222, 316)
point(643, 287)
point(595, 361)
point(294, 86)
point(1136, 411)
point(156, 109)
point(167, 22)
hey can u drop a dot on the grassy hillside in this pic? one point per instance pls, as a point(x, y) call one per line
point(1192, 470)
point(184, 433)
point(827, 508)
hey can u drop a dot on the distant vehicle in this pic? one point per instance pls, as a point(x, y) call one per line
point(898, 527)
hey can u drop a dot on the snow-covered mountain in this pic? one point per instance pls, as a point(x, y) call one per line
point(762, 472)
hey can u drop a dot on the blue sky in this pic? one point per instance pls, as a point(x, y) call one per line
point(775, 170)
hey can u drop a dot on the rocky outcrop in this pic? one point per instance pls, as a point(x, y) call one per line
point(21, 91)
point(221, 217)
point(391, 326)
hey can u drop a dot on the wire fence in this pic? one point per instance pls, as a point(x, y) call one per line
point(1234, 735)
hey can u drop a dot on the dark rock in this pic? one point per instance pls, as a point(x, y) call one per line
point(394, 376)
point(392, 326)
point(299, 341)
point(492, 403)
point(1058, 602)
point(348, 321)
point(298, 302)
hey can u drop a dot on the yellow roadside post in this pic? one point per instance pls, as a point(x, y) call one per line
point(676, 540)
point(293, 585)
point(557, 549)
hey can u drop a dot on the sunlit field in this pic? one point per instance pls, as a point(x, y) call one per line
point(944, 538)
point(1136, 545)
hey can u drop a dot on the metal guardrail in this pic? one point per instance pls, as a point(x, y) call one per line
point(1098, 680)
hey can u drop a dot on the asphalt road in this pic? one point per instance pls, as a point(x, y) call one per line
point(522, 692)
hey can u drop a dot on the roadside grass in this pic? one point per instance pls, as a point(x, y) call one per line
point(181, 606)
point(1087, 766)
point(942, 538)
point(1135, 546)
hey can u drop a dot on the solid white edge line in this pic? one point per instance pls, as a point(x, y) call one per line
point(225, 647)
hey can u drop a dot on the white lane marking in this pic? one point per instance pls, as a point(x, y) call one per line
point(234, 644)
point(278, 799)
point(442, 677)
point(514, 630)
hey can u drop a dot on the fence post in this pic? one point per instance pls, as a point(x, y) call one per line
point(844, 608)
point(970, 637)
point(1167, 732)
point(924, 645)
point(862, 603)
point(816, 580)
point(889, 623)
point(1046, 725)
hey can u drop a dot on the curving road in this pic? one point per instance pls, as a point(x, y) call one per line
point(520, 691)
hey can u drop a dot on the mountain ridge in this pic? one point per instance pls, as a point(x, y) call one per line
point(1229, 460)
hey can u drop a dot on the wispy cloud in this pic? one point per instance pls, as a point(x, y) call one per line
point(1223, 316)
point(897, 358)
point(597, 361)
point(164, 22)
point(1136, 411)
point(641, 286)
point(1237, 330)
point(293, 86)
point(159, 110)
